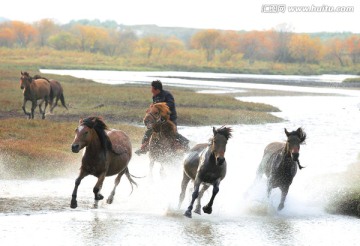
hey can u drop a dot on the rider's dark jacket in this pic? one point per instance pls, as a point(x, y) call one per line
point(167, 97)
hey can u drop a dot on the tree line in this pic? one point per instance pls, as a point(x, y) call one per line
point(276, 45)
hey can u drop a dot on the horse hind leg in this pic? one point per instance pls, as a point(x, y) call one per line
point(53, 105)
point(112, 194)
point(198, 205)
point(184, 184)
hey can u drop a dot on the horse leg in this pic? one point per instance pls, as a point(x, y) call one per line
point(284, 192)
point(208, 208)
point(151, 165)
point(40, 105)
point(117, 181)
point(52, 106)
point(184, 184)
point(46, 104)
point(77, 183)
point(33, 107)
point(97, 189)
point(195, 195)
point(198, 205)
point(24, 108)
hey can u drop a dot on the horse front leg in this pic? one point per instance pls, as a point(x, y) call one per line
point(24, 108)
point(33, 107)
point(117, 181)
point(46, 104)
point(97, 189)
point(208, 208)
point(82, 175)
point(195, 195)
point(284, 192)
point(198, 205)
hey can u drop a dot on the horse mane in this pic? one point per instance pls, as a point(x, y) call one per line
point(225, 131)
point(36, 76)
point(163, 109)
point(99, 126)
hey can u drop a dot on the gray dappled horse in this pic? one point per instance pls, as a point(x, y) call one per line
point(280, 161)
point(205, 164)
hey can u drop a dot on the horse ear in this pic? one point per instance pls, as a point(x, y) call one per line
point(302, 134)
point(286, 132)
point(22, 73)
point(80, 121)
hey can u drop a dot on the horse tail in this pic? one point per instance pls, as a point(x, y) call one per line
point(130, 178)
point(51, 97)
point(62, 99)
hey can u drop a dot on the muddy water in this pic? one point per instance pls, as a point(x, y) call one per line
point(37, 212)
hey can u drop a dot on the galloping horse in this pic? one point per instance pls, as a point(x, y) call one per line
point(279, 163)
point(33, 90)
point(107, 153)
point(205, 164)
point(56, 93)
point(163, 145)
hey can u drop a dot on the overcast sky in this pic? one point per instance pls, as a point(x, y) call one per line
point(218, 14)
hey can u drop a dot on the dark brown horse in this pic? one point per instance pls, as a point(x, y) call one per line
point(34, 90)
point(205, 164)
point(163, 145)
point(107, 153)
point(57, 92)
point(280, 161)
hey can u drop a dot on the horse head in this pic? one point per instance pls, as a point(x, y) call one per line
point(218, 143)
point(25, 79)
point(87, 131)
point(157, 112)
point(293, 142)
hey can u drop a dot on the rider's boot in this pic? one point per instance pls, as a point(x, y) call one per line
point(143, 149)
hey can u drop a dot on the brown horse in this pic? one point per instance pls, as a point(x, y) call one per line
point(280, 161)
point(34, 90)
point(107, 153)
point(57, 92)
point(164, 145)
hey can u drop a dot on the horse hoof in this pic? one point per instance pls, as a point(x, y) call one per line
point(207, 210)
point(188, 214)
point(281, 206)
point(99, 197)
point(109, 200)
point(73, 204)
point(198, 209)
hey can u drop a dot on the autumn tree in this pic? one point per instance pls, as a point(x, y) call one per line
point(207, 40)
point(257, 45)
point(305, 49)
point(282, 36)
point(24, 33)
point(89, 37)
point(335, 48)
point(45, 28)
point(353, 47)
point(63, 41)
point(7, 35)
point(229, 44)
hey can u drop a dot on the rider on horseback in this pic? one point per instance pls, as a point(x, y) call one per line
point(160, 95)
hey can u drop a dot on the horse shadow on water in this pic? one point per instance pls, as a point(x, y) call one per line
point(107, 153)
point(205, 164)
point(279, 164)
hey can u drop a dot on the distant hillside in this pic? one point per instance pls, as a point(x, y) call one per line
point(2, 19)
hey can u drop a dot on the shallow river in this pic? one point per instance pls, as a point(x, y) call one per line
point(36, 212)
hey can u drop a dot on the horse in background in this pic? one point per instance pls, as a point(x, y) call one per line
point(34, 90)
point(107, 153)
point(57, 92)
point(205, 164)
point(280, 161)
point(164, 146)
